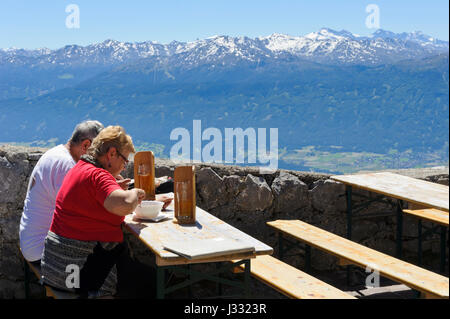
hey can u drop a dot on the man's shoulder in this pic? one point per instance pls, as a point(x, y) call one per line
point(57, 153)
point(55, 159)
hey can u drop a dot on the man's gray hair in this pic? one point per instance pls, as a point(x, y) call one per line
point(86, 130)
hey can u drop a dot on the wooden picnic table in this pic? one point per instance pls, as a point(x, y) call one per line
point(207, 231)
point(411, 190)
point(403, 188)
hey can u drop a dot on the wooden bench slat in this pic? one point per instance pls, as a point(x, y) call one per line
point(430, 214)
point(413, 276)
point(291, 281)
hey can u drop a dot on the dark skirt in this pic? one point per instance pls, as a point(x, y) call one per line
point(84, 267)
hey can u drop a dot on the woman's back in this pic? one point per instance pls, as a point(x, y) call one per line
point(79, 212)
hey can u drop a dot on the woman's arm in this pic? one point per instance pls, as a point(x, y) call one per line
point(123, 202)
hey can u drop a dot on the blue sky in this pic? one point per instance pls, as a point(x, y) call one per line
point(36, 24)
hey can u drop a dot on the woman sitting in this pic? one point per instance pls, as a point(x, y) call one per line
point(86, 233)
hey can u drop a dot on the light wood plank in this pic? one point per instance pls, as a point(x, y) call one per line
point(184, 194)
point(390, 267)
point(184, 261)
point(430, 214)
point(291, 281)
point(207, 227)
point(147, 182)
point(428, 194)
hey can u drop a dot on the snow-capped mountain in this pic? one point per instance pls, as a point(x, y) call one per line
point(307, 86)
point(342, 47)
point(325, 46)
point(416, 36)
point(106, 52)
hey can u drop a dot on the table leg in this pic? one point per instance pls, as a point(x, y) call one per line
point(349, 211)
point(280, 246)
point(247, 279)
point(443, 246)
point(160, 285)
point(419, 240)
point(219, 289)
point(399, 228)
point(349, 225)
point(191, 277)
point(308, 258)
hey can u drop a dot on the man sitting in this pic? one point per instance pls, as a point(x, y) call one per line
point(44, 184)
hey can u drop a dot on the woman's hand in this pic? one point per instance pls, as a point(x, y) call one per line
point(123, 183)
point(140, 193)
point(165, 199)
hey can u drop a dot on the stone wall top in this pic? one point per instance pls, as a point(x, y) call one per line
point(166, 167)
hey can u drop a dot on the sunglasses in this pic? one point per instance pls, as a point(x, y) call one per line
point(124, 158)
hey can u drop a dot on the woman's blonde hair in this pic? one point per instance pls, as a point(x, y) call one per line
point(111, 136)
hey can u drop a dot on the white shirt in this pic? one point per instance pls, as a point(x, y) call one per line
point(45, 182)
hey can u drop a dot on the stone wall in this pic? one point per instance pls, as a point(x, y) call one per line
point(240, 196)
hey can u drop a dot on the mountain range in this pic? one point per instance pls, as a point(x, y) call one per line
point(325, 46)
point(374, 93)
point(29, 73)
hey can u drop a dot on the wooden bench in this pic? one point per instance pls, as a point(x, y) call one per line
point(49, 291)
point(430, 284)
point(435, 216)
point(291, 281)
point(430, 214)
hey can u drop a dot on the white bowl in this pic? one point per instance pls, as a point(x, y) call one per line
point(148, 209)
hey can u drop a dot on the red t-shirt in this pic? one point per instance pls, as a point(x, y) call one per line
point(79, 212)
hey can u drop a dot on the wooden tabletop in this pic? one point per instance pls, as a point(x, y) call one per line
point(207, 229)
point(412, 190)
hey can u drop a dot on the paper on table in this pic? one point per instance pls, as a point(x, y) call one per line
point(204, 248)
